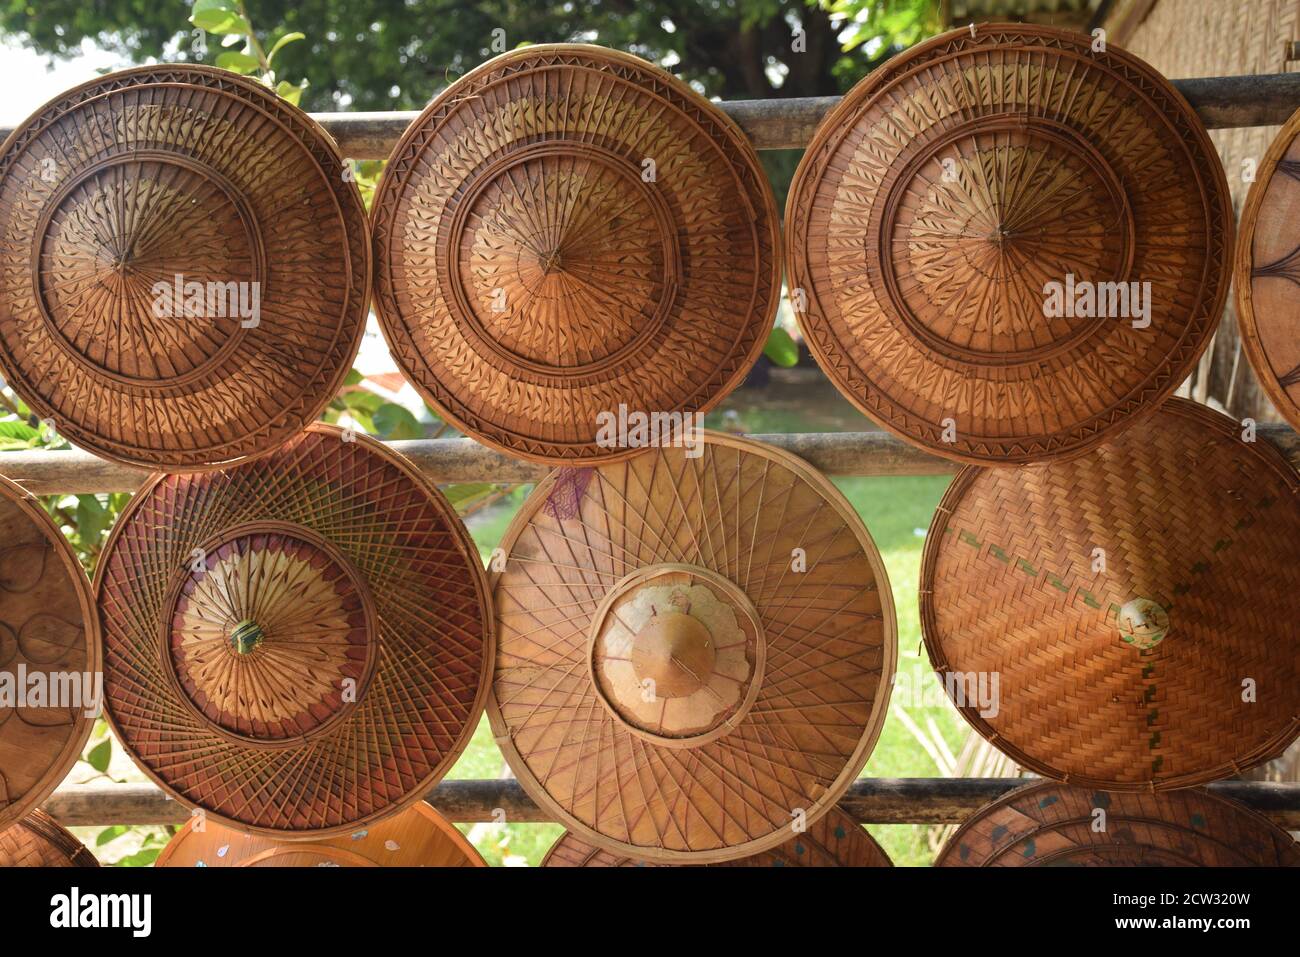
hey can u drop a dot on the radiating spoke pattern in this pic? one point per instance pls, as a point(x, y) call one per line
point(285, 702)
point(1051, 825)
point(1267, 272)
point(622, 550)
point(566, 230)
point(1007, 245)
point(834, 840)
point(47, 631)
point(1127, 602)
point(184, 267)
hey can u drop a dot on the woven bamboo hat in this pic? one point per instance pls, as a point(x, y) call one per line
point(1267, 272)
point(50, 655)
point(416, 837)
point(568, 229)
point(40, 841)
point(1135, 607)
point(693, 653)
point(833, 840)
point(299, 645)
point(186, 267)
point(937, 203)
point(1050, 824)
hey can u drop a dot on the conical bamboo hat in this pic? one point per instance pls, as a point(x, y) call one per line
point(569, 229)
point(299, 645)
point(695, 650)
point(969, 234)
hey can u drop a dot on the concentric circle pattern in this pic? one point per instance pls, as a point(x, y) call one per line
point(416, 837)
point(567, 230)
point(40, 841)
point(834, 840)
point(187, 268)
point(50, 659)
point(1267, 272)
point(1122, 620)
point(694, 652)
point(1050, 825)
point(1005, 247)
point(298, 645)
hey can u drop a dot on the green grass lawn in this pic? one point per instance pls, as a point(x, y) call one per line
point(893, 508)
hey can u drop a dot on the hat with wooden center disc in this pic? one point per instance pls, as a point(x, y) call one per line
point(695, 648)
point(1267, 272)
point(1122, 620)
point(50, 657)
point(40, 841)
point(416, 837)
point(1006, 247)
point(298, 645)
point(186, 270)
point(1053, 825)
point(567, 231)
point(833, 840)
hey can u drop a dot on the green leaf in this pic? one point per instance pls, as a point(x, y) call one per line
point(13, 429)
point(362, 399)
point(110, 834)
point(284, 41)
point(92, 518)
point(237, 62)
point(99, 756)
point(290, 92)
point(396, 422)
point(141, 858)
point(353, 377)
point(467, 491)
point(220, 22)
point(781, 348)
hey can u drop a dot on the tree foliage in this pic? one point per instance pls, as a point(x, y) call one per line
point(395, 54)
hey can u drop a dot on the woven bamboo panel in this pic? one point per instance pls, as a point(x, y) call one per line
point(947, 190)
point(40, 841)
point(568, 229)
point(1136, 605)
point(1267, 272)
point(834, 840)
point(692, 651)
point(416, 837)
point(49, 655)
point(186, 268)
point(299, 645)
point(1057, 826)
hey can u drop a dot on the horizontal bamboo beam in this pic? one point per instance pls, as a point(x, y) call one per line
point(464, 460)
point(869, 800)
point(1223, 102)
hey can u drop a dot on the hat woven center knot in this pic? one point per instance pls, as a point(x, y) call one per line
point(674, 651)
point(246, 636)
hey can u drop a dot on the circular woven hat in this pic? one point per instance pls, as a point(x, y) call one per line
point(299, 645)
point(833, 840)
point(40, 841)
point(692, 650)
point(566, 230)
point(941, 199)
point(1267, 272)
point(416, 837)
point(1120, 620)
point(50, 656)
point(186, 267)
point(1053, 825)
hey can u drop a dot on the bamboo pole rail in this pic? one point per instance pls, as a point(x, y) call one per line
point(464, 460)
point(1223, 102)
point(869, 800)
